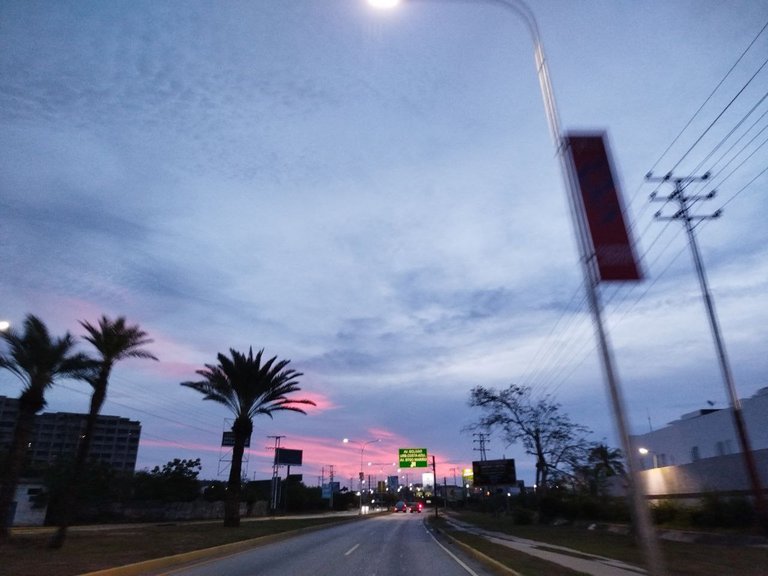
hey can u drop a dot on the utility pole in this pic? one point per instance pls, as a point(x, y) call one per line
point(481, 440)
point(685, 203)
point(275, 475)
point(434, 483)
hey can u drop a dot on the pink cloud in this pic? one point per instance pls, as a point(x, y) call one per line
point(192, 446)
point(322, 402)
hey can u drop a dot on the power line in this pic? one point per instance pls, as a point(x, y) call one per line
point(684, 214)
point(720, 115)
point(708, 98)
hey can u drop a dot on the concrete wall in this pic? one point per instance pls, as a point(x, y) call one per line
point(725, 474)
point(179, 511)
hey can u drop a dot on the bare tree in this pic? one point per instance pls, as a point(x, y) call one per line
point(545, 433)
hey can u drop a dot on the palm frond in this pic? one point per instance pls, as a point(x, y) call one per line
point(116, 340)
point(249, 386)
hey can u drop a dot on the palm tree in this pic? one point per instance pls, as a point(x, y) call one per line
point(113, 340)
point(604, 462)
point(248, 388)
point(37, 360)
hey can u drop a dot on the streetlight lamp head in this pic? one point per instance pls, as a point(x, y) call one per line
point(383, 4)
point(4, 325)
point(643, 451)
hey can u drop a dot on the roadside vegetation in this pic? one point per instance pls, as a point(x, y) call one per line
point(246, 384)
point(682, 558)
point(97, 548)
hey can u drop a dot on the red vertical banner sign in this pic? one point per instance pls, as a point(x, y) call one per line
point(603, 210)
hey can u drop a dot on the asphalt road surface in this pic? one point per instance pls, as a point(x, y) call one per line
point(391, 545)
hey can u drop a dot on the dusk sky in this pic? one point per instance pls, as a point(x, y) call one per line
point(374, 195)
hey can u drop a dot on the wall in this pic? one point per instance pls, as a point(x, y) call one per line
point(179, 511)
point(725, 474)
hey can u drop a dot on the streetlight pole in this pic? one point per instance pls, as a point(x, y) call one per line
point(362, 475)
point(641, 513)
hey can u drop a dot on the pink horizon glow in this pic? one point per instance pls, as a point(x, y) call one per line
point(380, 459)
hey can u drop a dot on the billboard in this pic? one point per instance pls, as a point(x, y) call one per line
point(493, 472)
point(330, 489)
point(288, 457)
point(228, 440)
point(601, 205)
point(412, 457)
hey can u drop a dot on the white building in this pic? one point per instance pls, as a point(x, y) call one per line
point(28, 511)
point(701, 452)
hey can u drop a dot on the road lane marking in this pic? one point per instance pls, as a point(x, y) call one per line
point(452, 555)
point(348, 552)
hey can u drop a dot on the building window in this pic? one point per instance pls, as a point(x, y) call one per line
point(695, 456)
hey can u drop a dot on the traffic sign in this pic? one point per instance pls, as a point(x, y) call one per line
point(413, 457)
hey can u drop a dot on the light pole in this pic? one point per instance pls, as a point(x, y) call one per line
point(641, 513)
point(362, 475)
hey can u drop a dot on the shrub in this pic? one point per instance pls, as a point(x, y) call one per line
point(715, 511)
point(522, 516)
point(665, 512)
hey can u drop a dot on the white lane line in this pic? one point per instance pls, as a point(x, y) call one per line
point(348, 552)
point(452, 555)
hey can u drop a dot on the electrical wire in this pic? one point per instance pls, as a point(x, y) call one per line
point(708, 98)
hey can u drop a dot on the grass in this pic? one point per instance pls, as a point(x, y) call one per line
point(522, 563)
point(682, 559)
point(84, 551)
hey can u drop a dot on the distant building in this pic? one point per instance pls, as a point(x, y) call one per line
point(56, 436)
point(701, 452)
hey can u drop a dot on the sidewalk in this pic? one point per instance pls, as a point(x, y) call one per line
point(569, 558)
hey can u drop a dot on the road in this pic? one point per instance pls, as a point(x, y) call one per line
point(390, 545)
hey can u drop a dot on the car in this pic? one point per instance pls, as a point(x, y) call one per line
point(415, 507)
point(400, 506)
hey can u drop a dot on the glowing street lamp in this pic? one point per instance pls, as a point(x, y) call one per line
point(641, 514)
point(362, 474)
point(4, 325)
point(654, 456)
point(383, 3)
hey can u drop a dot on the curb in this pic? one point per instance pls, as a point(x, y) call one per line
point(477, 555)
point(169, 562)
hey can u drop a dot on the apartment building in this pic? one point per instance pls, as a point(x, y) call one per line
point(56, 436)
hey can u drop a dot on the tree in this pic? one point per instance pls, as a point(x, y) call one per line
point(99, 485)
point(176, 481)
point(603, 462)
point(114, 340)
point(248, 388)
point(545, 432)
point(37, 360)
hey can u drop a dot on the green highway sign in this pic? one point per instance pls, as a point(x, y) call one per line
point(413, 457)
